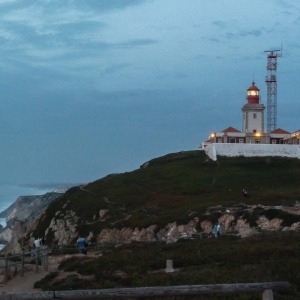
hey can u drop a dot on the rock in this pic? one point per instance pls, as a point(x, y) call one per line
point(6, 235)
point(225, 222)
point(295, 226)
point(102, 212)
point(65, 229)
point(206, 226)
point(265, 224)
point(17, 234)
point(171, 233)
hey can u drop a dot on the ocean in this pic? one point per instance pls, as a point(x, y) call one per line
point(10, 192)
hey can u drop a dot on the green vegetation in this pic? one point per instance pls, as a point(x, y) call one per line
point(173, 186)
point(178, 187)
point(262, 258)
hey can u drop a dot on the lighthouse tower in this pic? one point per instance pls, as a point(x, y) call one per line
point(253, 112)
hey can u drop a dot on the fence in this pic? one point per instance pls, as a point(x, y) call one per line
point(36, 256)
point(266, 288)
point(72, 249)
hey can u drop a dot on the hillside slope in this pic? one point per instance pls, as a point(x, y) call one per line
point(168, 189)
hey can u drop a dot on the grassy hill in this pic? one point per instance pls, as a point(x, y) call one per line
point(172, 186)
point(168, 189)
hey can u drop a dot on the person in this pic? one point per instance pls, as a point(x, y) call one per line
point(215, 230)
point(218, 230)
point(245, 193)
point(37, 243)
point(82, 245)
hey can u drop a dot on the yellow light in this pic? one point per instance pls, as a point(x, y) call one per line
point(257, 134)
point(252, 93)
point(212, 135)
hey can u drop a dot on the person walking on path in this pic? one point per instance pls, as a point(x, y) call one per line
point(82, 245)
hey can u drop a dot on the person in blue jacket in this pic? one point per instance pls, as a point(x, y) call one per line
point(82, 245)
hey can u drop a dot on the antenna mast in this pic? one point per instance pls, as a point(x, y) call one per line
point(271, 81)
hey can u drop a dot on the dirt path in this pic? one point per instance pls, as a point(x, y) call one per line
point(25, 284)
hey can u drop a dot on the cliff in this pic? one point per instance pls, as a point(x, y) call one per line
point(22, 213)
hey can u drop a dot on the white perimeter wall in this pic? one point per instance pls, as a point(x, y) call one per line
point(222, 149)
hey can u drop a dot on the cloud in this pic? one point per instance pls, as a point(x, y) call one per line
point(253, 32)
point(220, 24)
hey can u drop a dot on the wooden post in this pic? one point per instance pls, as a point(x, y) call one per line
point(6, 268)
point(46, 258)
point(37, 259)
point(267, 295)
point(23, 263)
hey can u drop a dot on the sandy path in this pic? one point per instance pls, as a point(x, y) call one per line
point(25, 284)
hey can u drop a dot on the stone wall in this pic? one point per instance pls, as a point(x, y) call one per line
point(251, 150)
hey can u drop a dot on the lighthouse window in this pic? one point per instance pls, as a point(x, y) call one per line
point(252, 93)
point(254, 116)
point(257, 141)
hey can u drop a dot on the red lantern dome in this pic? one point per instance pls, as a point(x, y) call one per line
point(253, 94)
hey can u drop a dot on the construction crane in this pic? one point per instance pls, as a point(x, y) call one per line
point(271, 81)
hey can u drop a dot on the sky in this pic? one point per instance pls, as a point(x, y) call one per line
point(95, 87)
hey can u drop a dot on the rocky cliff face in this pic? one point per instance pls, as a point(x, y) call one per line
point(64, 228)
point(29, 207)
point(21, 214)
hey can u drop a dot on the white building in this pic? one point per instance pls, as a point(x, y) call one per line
point(253, 126)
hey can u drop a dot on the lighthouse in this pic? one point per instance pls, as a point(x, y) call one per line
point(253, 128)
point(253, 112)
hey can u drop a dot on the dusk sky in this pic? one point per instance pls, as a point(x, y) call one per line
point(94, 87)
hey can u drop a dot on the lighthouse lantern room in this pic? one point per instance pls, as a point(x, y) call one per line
point(253, 111)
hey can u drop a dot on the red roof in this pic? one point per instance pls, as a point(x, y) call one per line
point(230, 129)
point(253, 87)
point(280, 131)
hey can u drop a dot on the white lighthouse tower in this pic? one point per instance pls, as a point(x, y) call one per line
point(253, 112)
